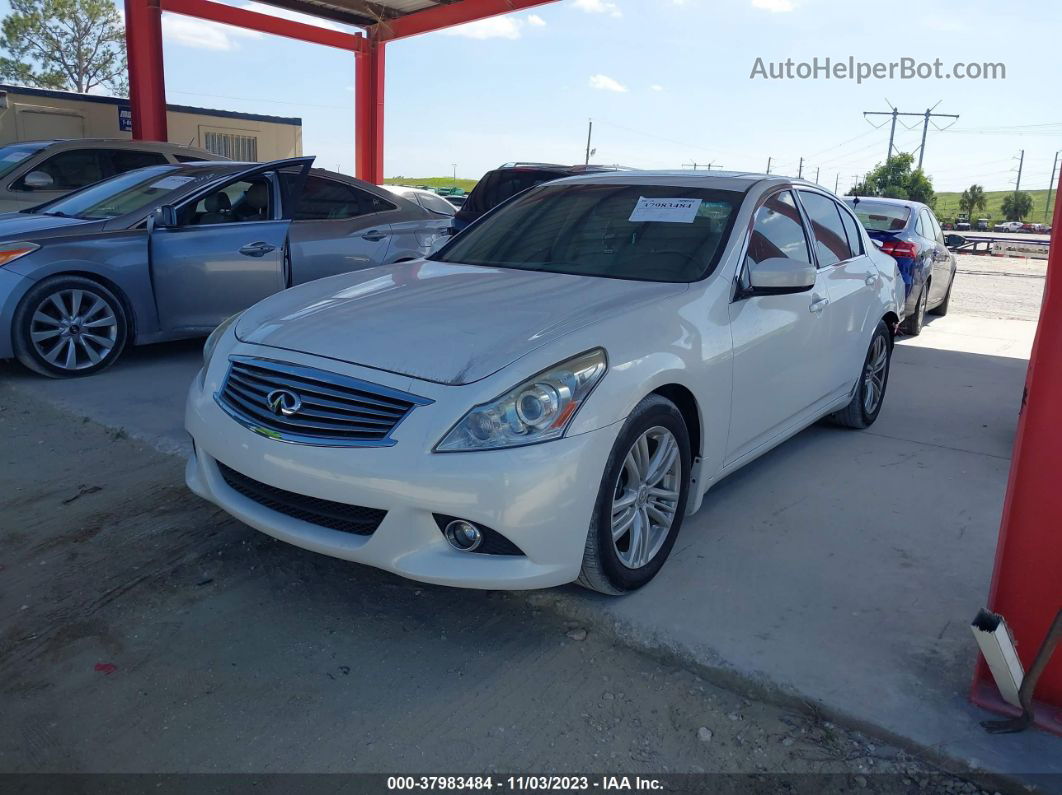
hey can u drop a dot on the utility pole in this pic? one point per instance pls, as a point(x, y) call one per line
point(837, 183)
point(1021, 162)
point(455, 173)
point(896, 113)
point(589, 132)
point(817, 170)
point(800, 169)
point(1050, 187)
point(769, 165)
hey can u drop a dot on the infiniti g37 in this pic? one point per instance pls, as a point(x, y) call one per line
point(544, 399)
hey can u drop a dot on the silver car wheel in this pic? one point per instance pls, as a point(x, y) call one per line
point(73, 329)
point(646, 497)
point(874, 374)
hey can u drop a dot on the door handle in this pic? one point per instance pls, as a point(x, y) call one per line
point(374, 235)
point(818, 304)
point(258, 249)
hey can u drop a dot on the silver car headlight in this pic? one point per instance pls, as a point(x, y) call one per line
point(215, 337)
point(538, 410)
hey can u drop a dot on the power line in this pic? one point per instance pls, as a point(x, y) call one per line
point(896, 114)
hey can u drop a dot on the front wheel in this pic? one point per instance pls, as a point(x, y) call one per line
point(69, 326)
point(870, 393)
point(641, 500)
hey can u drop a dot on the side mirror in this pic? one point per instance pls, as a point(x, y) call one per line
point(954, 241)
point(38, 180)
point(165, 216)
point(780, 275)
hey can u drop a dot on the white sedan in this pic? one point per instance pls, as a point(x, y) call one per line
point(545, 398)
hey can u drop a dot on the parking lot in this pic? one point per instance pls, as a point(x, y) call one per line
point(157, 615)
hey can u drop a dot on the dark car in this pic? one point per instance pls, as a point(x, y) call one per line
point(170, 251)
point(911, 234)
point(503, 183)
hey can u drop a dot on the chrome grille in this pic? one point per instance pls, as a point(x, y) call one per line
point(304, 405)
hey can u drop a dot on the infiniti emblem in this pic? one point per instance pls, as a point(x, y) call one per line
point(283, 401)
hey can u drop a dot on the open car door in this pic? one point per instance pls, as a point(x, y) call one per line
point(223, 248)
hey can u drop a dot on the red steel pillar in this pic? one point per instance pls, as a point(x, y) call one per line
point(369, 112)
point(147, 82)
point(1027, 582)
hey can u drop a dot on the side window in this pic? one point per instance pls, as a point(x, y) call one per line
point(778, 231)
point(123, 160)
point(831, 240)
point(922, 227)
point(240, 201)
point(328, 200)
point(929, 225)
point(936, 228)
point(188, 159)
point(851, 227)
point(72, 169)
point(437, 204)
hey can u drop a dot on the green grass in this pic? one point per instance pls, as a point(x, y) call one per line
point(433, 182)
point(947, 206)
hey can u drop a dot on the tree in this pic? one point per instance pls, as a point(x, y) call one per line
point(896, 179)
point(1017, 205)
point(76, 45)
point(972, 200)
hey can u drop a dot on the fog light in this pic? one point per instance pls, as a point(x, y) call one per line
point(463, 536)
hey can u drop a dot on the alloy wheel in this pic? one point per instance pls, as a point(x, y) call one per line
point(646, 497)
point(73, 329)
point(874, 374)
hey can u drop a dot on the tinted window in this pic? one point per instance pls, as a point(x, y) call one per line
point(778, 231)
point(497, 186)
point(75, 168)
point(325, 199)
point(437, 204)
point(188, 159)
point(879, 216)
point(127, 159)
point(851, 228)
point(241, 201)
point(586, 229)
point(11, 156)
point(831, 241)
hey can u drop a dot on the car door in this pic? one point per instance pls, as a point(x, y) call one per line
point(226, 252)
point(781, 365)
point(338, 227)
point(852, 282)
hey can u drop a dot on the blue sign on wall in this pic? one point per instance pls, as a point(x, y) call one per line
point(125, 118)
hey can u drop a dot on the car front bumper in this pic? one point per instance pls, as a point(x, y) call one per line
point(12, 287)
point(540, 497)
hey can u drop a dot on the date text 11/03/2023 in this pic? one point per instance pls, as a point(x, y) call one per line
point(524, 783)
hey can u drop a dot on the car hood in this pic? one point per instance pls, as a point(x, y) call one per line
point(16, 225)
point(443, 322)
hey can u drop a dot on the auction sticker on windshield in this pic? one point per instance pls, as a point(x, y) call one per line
point(675, 211)
point(170, 183)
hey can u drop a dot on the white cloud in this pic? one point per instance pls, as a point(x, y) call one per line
point(774, 6)
point(656, 87)
point(606, 83)
point(536, 21)
point(203, 35)
point(599, 7)
point(489, 28)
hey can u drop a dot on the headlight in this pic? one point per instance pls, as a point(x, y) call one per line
point(215, 337)
point(9, 252)
point(537, 410)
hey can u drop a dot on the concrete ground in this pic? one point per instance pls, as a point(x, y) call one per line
point(841, 569)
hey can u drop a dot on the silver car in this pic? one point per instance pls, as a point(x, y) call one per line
point(171, 251)
point(34, 172)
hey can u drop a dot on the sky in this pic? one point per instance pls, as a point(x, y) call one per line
point(667, 84)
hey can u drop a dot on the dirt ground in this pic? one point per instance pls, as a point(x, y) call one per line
point(999, 287)
point(144, 631)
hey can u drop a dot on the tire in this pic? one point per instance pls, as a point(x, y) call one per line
point(912, 325)
point(861, 412)
point(622, 565)
point(941, 309)
point(87, 321)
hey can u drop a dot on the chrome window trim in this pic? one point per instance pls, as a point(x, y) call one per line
point(327, 378)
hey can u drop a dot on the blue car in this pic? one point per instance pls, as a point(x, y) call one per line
point(911, 234)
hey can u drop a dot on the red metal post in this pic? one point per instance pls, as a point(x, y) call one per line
point(369, 112)
point(1027, 582)
point(147, 81)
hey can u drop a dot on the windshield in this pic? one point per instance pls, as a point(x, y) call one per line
point(11, 156)
point(881, 216)
point(123, 194)
point(654, 233)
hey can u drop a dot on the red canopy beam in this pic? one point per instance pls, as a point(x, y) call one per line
point(1027, 582)
point(446, 16)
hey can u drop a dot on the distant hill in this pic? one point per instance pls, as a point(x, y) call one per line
point(433, 182)
point(947, 206)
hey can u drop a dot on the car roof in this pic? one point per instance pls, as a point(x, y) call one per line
point(720, 180)
point(115, 143)
point(885, 200)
